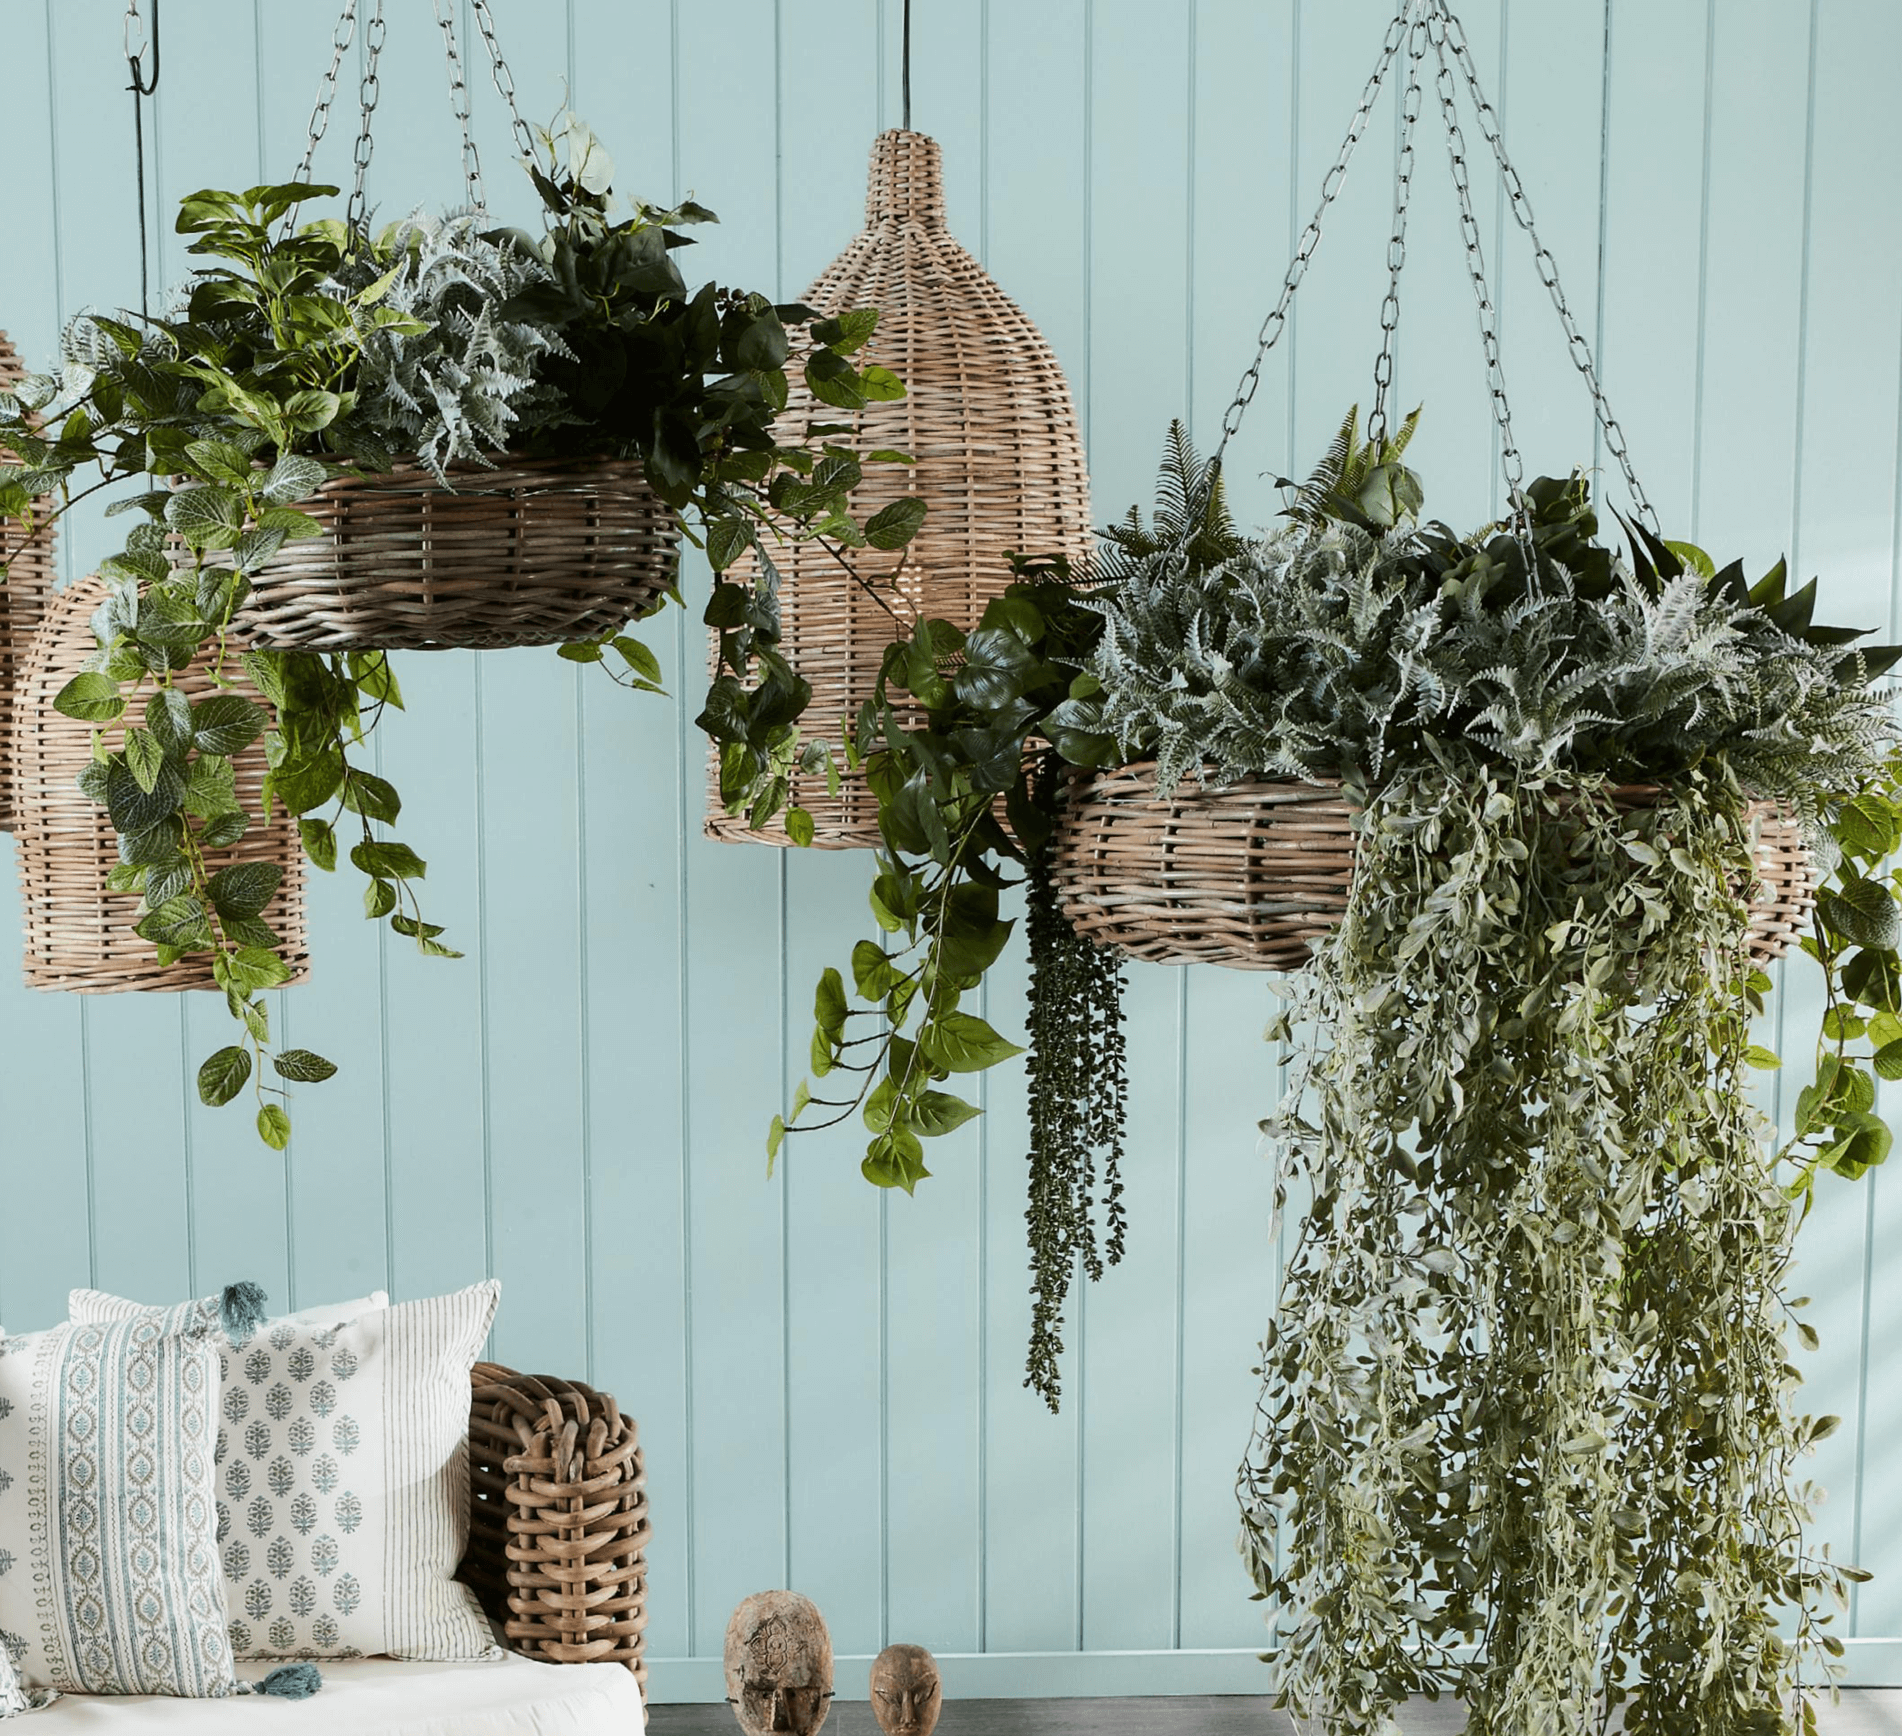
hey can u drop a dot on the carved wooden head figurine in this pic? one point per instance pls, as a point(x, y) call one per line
point(907, 1692)
point(778, 1665)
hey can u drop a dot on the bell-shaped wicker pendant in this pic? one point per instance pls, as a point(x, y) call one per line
point(988, 417)
point(28, 560)
point(79, 935)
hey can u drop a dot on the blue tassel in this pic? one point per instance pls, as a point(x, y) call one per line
point(241, 1311)
point(290, 1682)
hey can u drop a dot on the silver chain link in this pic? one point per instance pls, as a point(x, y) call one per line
point(340, 40)
point(1410, 101)
point(367, 93)
point(1581, 351)
point(504, 80)
point(1277, 320)
point(1448, 37)
point(459, 101)
point(1510, 461)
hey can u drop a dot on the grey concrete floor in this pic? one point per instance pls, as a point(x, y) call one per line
point(1868, 1712)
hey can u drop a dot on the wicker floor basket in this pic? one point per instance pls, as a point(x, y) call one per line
point(29, 582)
point(535, 551)
point(1251, 876)
point(988, 418)
point(79, 936)
point(559, 1522)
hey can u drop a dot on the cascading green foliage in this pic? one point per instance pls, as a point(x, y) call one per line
point(302, 353)
point(1076, 1085)
point(1527, 1387)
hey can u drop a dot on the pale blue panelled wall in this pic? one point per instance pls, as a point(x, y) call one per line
point(828, 1380)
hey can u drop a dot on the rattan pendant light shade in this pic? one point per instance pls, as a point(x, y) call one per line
point(989, 419)
point(79, 936)
point(29, 582)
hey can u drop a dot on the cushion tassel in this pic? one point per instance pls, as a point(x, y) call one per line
point(241, 1311)
point(289, 1682)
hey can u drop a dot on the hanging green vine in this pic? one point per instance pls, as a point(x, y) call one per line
point(1527, 1389)
point(1077, 1088)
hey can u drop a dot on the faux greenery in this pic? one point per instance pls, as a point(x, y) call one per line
point(302, 353)
point(886, 1049)
point(1527, 1388)
point(1350, 644)
point(1076, 1086)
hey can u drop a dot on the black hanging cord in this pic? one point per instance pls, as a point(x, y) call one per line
point(142, 87)
point(905, 74)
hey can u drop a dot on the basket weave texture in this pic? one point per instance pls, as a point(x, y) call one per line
point(533, 551)
point(79, 936)
point(29, 582)
point(987, 415)
point(559, 1521)
point(1252, 875)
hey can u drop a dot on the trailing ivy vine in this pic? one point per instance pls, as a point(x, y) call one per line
point(1527, 1389)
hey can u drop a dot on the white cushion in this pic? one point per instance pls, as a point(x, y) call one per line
point(381, 1697)
point(343, 1480)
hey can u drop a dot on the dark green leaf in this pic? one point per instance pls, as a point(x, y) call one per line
point(223, 1075)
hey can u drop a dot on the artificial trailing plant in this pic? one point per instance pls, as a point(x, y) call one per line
point(300, 354)
point(942, 744)
point(1526, 1431)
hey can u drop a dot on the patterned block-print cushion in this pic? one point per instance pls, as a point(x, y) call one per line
point(108, 1514)
point(343, 1481)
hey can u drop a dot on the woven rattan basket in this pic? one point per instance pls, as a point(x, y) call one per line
point(534, 551)
point(29, 582)
point(79, 936)
point(559, 1524)
point(988, 417)
point(1251, 876)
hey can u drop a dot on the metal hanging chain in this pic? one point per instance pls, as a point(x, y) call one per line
point(905, 67)
point(1454, 36)
point(1410, 101)
point(340, 39)
point(367, 93)
point(459, 101)
point(1277, 320)
point(141, 87)
point(504, 80)
point(1509, 459)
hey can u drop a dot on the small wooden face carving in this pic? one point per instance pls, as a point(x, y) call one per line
point(907, 1693)
point(778, 1665)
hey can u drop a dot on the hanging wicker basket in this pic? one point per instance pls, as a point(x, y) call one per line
point(29, 566)
point(988, 417)
point(79, 936)
point(1253, 875)
point(532, 551)
point(558, 1519)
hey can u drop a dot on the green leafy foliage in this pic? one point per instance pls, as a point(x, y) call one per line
point(1856, 936)
point(301, 353)
point(1525, 1432)
point(1355, 644)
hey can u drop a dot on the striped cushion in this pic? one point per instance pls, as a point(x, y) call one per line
point(108, 1557)
point(343, 1479)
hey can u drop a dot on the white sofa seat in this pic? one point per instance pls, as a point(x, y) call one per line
point(513, 1696)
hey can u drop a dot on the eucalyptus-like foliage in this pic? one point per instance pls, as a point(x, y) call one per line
point(1527, 1388)
point(453, 375)
point(1346, 646)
